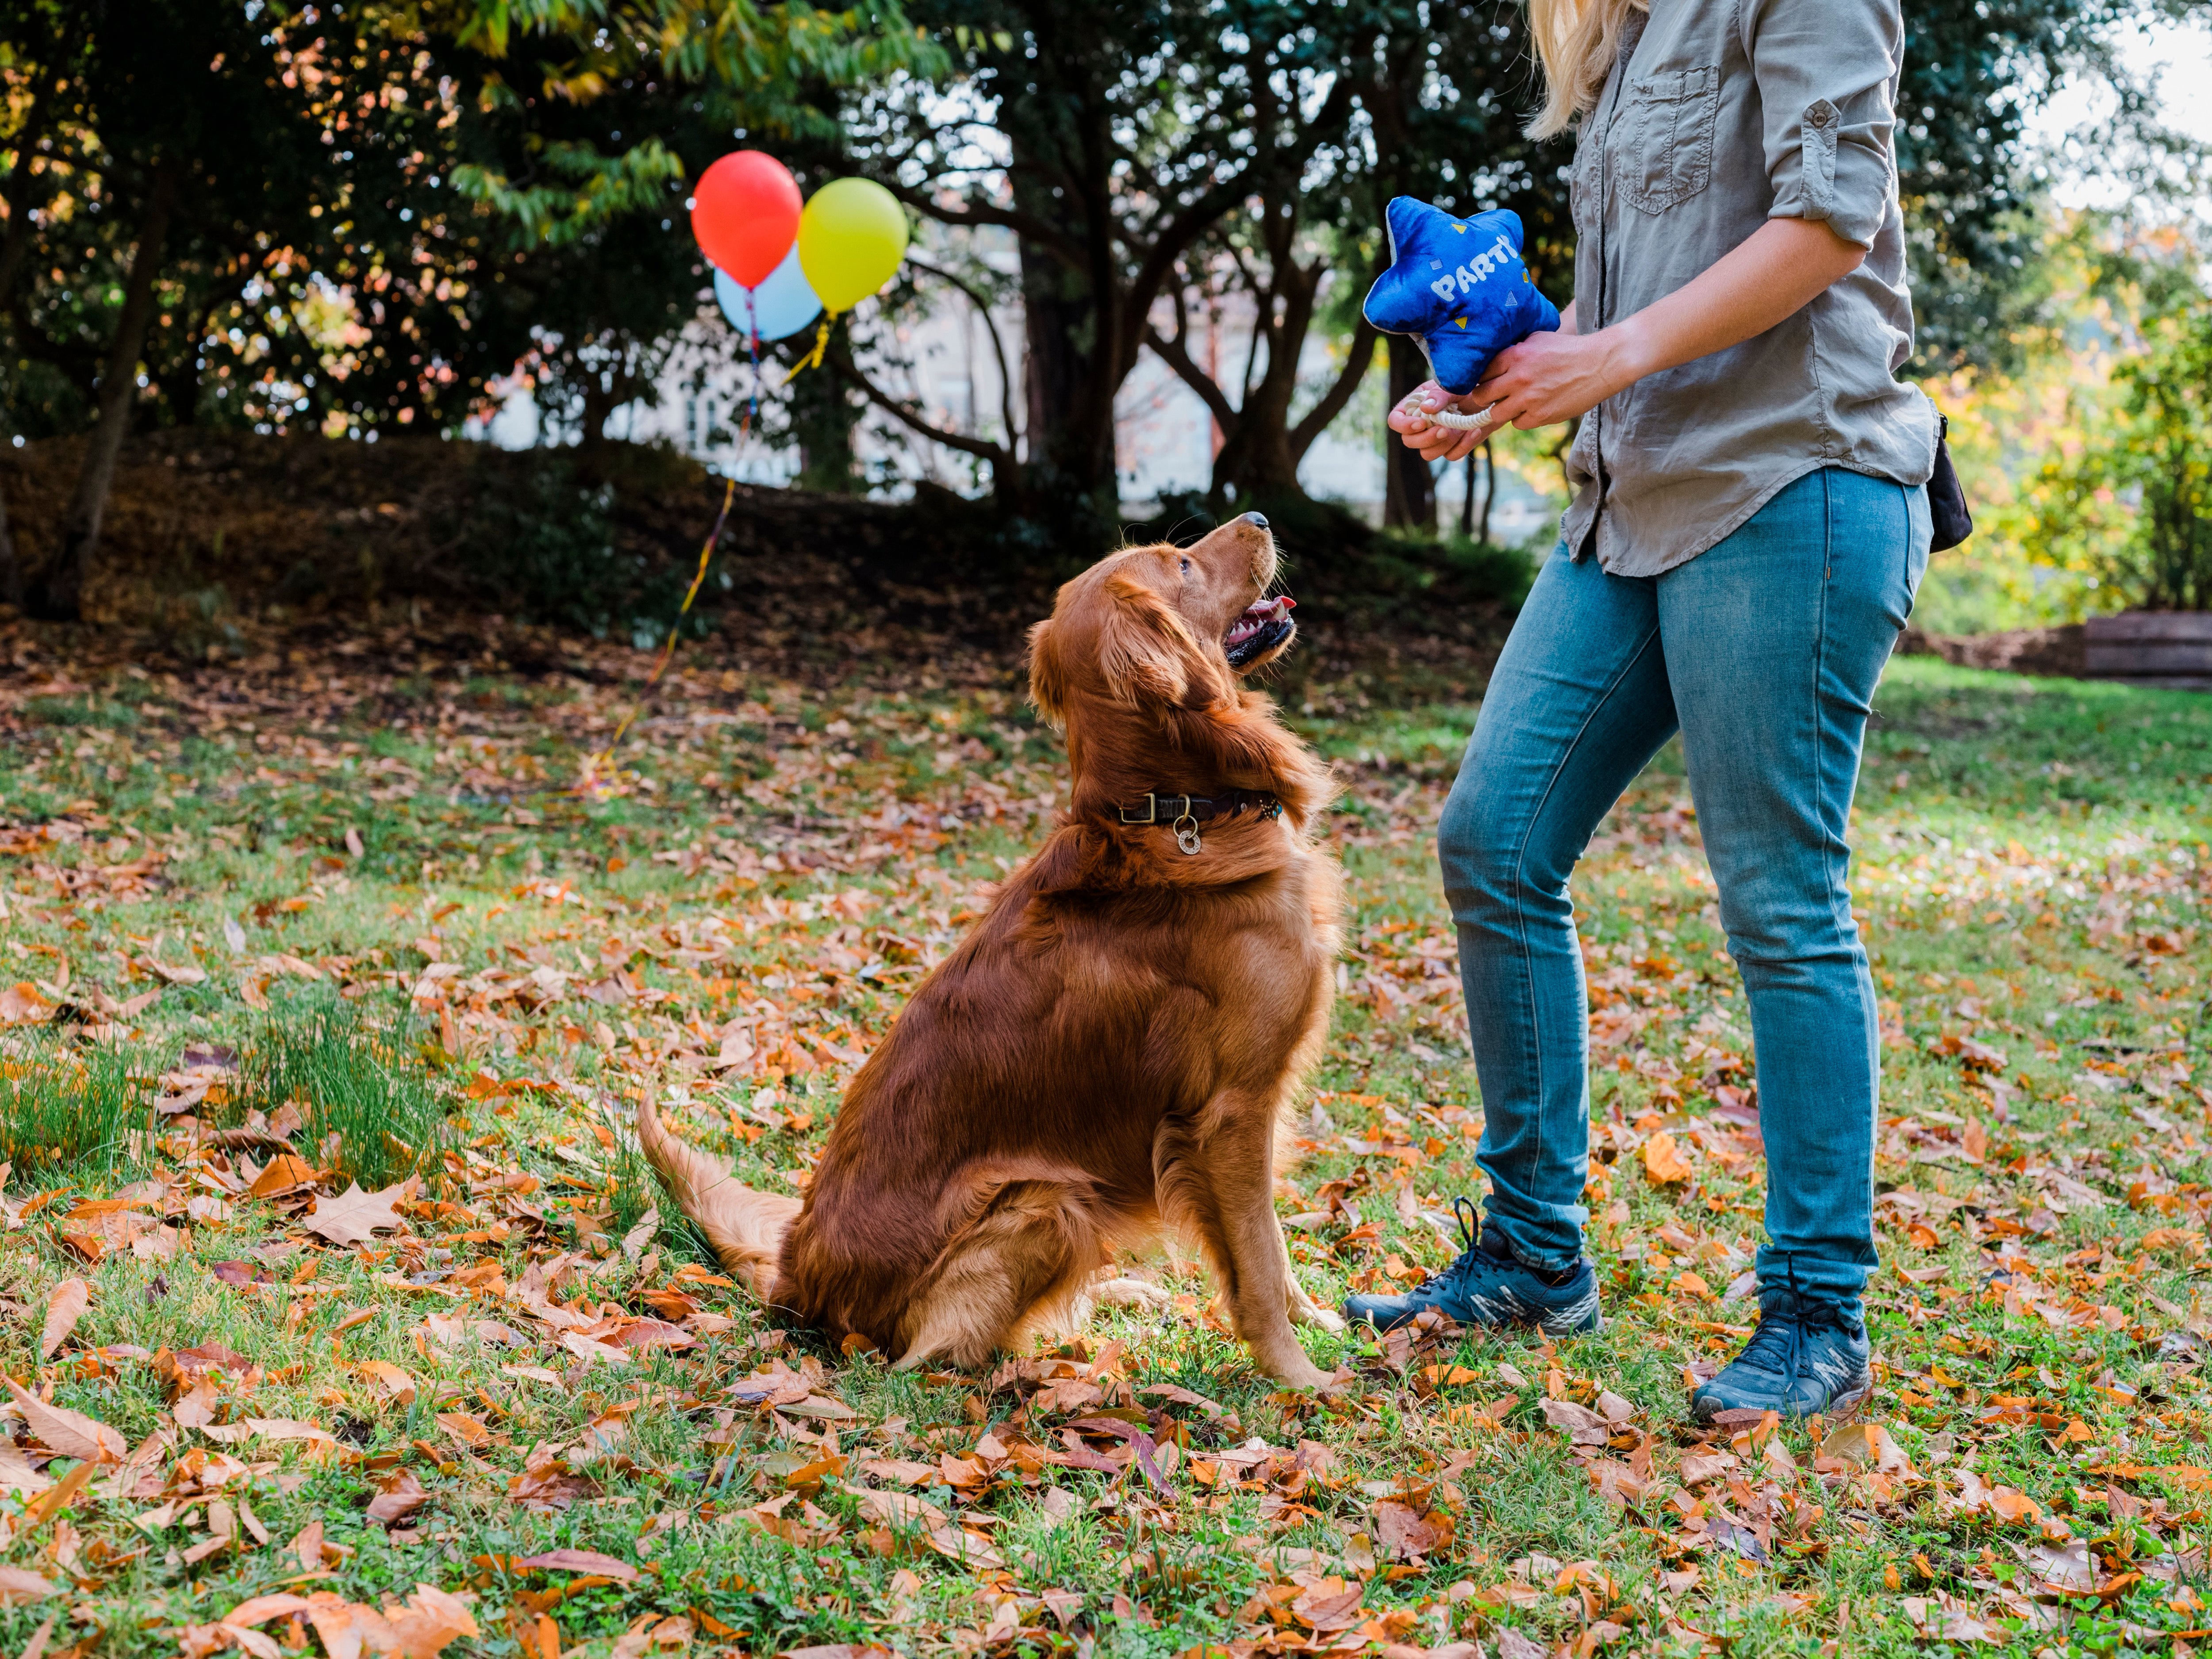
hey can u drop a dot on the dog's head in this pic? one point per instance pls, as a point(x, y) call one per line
point(1163, 627)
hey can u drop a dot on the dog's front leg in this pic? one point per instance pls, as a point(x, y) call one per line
point(1221, 1185)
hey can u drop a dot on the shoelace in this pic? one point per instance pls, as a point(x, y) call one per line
point(1471, 1260)
point(1770, 1335)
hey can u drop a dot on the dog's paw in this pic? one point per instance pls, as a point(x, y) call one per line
point(1300, 1373)
point(1129, 1293)
point(1320, 1318)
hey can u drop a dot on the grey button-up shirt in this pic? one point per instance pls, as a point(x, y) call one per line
point(1719, 115)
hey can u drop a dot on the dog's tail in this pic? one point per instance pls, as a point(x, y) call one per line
point(746, 1227)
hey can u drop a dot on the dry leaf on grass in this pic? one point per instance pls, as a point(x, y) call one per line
point(580, 1561)
point(401, 1496)
point(393, 1384)
point(430, 1621)
point(354, 1215)
point(21, 1584)
point(1663, 1161)
point(286, 1172)
point(66, 1306)
point(71, 1433)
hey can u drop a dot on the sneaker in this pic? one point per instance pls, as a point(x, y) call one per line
point(1489, 1286)
point(1805, 1357)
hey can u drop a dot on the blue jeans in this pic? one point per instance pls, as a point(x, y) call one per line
point(1763, 652)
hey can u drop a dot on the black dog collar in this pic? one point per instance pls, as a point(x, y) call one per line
point(1184, 813)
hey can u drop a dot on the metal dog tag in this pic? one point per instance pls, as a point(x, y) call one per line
point(1186, 835)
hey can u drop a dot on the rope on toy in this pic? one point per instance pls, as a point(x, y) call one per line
point(1451, 419)
point(1457, 421)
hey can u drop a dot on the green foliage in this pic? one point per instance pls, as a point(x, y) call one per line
point(80, 1113)
point(364, 1112)
point(2137, 497)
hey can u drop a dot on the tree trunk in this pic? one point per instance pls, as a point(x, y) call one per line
point(1069, 386)
point(58, 594)
point(1409, 492)
point(1489, 489)
point(823, 417)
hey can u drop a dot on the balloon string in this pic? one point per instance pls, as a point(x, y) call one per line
point(590, 783)
point(752, 354)
point(813, 359)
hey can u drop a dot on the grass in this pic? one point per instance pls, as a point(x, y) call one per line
point(500, 968)
point(63, 1113)
point(372, 1118)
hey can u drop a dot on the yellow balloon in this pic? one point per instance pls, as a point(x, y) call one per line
point(852, 236)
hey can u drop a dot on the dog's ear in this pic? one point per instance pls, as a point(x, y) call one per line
point(1148, 654)
point(1048, 675)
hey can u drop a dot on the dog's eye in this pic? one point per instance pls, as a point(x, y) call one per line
point(1186, 566)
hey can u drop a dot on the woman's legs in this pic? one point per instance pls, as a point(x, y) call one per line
point(1774, 641)
point(1578, 703)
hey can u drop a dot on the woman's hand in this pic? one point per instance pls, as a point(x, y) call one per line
point(1771, 275)
point(1546, 378)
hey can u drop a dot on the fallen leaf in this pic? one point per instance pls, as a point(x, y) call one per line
point(21, 1584)
point(71, 1433)
point(1663, 1161)
point(262, 1609)
point(1584, 1425)
point(471, 1431)
point(401, 1496)
point(580, 1561)
point(286, 1172)
point(1328, 1605)
point(354, 1215)
point(64, 1309)
point(390, 1380)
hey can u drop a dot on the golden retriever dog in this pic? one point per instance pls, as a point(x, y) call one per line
point(1114, 1051)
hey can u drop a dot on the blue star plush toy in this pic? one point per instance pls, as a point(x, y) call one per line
point(1458, 286)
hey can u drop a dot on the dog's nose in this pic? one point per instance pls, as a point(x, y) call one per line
point(1257, 520)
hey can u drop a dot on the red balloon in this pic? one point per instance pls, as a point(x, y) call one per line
point(745, 215)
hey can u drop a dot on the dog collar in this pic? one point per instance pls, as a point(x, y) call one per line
point(1184, 813)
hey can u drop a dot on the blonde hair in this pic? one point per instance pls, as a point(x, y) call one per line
point(1577, 41)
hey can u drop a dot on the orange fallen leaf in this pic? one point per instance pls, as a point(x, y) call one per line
point(390, 1380)
point(286, 1171)
point(1663, 1161)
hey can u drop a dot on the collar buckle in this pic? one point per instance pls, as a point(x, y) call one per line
point(1153, 812)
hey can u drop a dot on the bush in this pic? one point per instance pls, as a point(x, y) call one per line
point(542, 544)
point(2137, 502)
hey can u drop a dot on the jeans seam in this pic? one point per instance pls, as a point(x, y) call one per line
point(1520, 891)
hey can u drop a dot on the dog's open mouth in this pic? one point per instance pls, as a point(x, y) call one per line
point(1261, 628)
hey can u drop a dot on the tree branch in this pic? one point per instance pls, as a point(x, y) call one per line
point(1360, 359)
point(1173, 354)
point(1022, 224)
point(998, 346)
point(1000, 456)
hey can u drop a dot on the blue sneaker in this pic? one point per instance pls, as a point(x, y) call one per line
point(1807, 1356)
point(1489, 1287)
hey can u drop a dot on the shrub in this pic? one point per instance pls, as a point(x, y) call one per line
point(2137, 500)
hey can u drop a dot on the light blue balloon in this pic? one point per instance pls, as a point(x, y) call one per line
point(782, 305)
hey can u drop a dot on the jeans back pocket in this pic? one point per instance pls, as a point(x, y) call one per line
point(1670, 156)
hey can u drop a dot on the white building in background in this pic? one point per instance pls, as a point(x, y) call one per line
point(944, 365)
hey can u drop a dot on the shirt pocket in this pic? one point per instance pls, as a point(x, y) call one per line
point(1669, 158)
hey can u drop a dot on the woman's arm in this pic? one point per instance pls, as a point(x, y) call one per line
point(1772, 274)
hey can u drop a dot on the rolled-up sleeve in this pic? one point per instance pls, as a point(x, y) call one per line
point(1827, 72)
